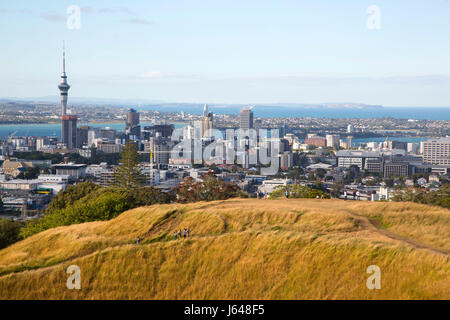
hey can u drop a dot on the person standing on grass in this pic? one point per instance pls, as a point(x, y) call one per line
point(188, 232)
point(179, 233)
point(345, 195)
point(358, 195)
point(138, 241)
point(175, 234)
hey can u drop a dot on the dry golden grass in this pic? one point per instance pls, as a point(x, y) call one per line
point(240, 249)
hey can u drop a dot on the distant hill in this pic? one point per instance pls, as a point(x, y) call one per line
point(240, 249)
point(79, 100)
point(149, 103)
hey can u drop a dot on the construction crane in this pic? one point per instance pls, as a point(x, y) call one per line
point(385, 143)
point(12, 134)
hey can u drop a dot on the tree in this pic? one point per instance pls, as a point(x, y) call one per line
point(86, 202)
point(101, 204)
point(297, 191)
point(71, 194)
point(147, 196)
point(127, 173)
point(9, 232)
point(321, 172)
point(440, 197)
point(389, 182)
point(208, 189)
point(30, 173)
point(337, 189)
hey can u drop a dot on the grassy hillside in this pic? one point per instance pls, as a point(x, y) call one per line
point(240, 249)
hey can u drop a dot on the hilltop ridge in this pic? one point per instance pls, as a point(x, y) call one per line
point(240, 249)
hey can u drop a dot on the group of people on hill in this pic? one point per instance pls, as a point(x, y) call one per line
point(177, 235)
point(185, 234)
point(261, 195)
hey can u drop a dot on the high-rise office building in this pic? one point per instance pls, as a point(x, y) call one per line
point(350, 128)
point(82, 138)
point(132, 118)
point(132, 123)
point(315, 140)
point(207, 125)
point(108, 134)
point(246, 119)
point(333, 140)
point(437, 151)
point(68, 122)
point(413, 147)
point(398, 145)
point(349, 142)
point(160, 151)
point(158, 130)
point(257, 124)
point(69, 130)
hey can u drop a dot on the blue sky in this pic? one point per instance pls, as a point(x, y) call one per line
point(246, 51)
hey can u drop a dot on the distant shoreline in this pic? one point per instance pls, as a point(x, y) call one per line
point(80, 123)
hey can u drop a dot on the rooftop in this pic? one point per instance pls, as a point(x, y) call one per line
point(357, 153)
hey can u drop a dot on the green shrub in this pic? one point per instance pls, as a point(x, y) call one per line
point(87, 202)
point(297, 191)
point(9, 232)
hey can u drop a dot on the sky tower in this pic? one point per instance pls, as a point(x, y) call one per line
point(64, 86)
point(68, 122)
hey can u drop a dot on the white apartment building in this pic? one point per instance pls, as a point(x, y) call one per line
point(103, 173)
point(270, 185)
point(333, 140)
point(413, 148)
point(347, 158)
point(436, 151)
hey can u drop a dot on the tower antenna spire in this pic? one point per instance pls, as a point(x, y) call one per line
point(64, 57)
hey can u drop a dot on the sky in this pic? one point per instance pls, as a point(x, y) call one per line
point(235, 51)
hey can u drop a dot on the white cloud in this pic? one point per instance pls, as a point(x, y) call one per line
point(123, 10)
point(25, 11)
point(87, 10)
point(137, 21)
point(151, 74)
point(53, 17)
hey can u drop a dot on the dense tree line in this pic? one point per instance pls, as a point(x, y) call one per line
point(440, 197)
point(9, 232)
point(209, 188)
point(297, 191)
point(86, 202)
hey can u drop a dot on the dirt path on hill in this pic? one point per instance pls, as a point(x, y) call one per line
point(373, 225)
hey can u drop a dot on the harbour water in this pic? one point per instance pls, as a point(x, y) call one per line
point(54, 129)
point(419, 113)
point(378, 140)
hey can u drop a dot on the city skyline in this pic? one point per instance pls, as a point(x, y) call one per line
point(249, 53)
point(235, 152)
